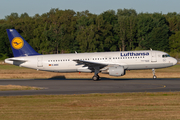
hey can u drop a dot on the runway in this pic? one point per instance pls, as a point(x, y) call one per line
point(87, 86)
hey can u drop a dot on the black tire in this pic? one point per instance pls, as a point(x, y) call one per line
point(95, 78)
point(154, 77)
point(98, 77)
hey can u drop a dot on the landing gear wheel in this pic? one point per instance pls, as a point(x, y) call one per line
point(154, 77)
point(95, 78)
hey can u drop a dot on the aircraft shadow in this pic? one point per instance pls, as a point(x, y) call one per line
point(104, 78)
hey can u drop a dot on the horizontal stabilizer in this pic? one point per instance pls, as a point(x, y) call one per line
point(18, 60)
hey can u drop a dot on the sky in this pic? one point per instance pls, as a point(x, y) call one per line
point(33, 7)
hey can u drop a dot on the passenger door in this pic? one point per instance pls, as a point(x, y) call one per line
point(153, 56)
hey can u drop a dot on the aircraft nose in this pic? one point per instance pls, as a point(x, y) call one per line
point(174, 61)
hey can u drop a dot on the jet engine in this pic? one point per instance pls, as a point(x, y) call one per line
point(117, 71)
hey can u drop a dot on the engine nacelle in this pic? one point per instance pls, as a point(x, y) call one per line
point(117, 71)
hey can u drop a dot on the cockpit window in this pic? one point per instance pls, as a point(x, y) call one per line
point(166, 55)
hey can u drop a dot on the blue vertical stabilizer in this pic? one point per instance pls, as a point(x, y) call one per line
point(19, 45)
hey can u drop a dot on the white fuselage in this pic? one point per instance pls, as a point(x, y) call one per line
point(130, 60)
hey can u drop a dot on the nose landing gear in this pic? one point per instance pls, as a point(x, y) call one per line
point(154, 76)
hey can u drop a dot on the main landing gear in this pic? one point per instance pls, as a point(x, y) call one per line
point(96, 76)
point(154, 76)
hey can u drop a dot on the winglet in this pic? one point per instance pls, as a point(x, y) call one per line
point(19, 45)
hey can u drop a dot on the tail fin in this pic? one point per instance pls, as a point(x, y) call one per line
point(19, 45)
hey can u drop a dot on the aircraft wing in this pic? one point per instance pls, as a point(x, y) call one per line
point(102, 66)
point(91, 64)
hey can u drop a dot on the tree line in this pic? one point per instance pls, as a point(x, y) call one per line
point(67, 31)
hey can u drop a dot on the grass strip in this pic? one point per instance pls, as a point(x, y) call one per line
point(125, 106)
point(16, 87)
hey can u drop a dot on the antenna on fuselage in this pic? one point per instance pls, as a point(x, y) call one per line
point(75, 52)
point(151, 49)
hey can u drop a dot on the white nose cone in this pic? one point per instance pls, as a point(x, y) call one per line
point(174, 61)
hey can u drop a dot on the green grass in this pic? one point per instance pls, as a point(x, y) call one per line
point(16, 87)
point(10, 67)
point(125, 106)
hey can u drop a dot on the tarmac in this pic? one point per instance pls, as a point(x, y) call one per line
point(88, 86)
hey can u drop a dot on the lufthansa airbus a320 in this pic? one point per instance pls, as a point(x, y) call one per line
point(112, 63)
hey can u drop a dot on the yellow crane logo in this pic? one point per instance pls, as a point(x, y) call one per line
point(17, 43)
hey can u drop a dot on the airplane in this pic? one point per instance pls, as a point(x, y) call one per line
point(112, 63)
